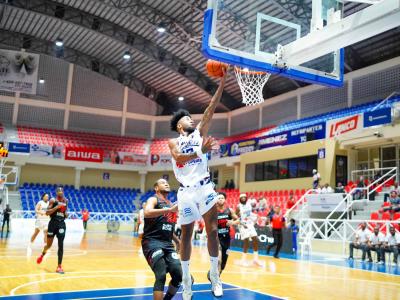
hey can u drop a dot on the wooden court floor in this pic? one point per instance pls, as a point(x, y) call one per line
point(99, 260)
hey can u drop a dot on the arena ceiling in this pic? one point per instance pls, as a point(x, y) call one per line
point(163, 66)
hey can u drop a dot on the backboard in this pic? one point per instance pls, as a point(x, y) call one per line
point(299, 39)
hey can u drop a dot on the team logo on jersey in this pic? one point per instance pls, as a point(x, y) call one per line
point(175, 255)
point(61, 231)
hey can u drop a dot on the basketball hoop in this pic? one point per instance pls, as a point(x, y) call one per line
point(251, 85)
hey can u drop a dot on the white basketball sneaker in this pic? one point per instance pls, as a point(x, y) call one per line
point(216, 285)
point(187, 293)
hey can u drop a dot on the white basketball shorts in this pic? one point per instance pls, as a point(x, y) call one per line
point(41, 224)
point(247, 232)
point(195, 202)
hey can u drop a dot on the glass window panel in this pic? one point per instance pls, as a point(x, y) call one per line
point(259, 172)
point(283, 169)
point(362, 155)
point(250, 172)
point(271, 170)
point(293, 167)
point(389, 153)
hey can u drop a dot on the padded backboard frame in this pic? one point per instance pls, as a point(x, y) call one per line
point(263, 61)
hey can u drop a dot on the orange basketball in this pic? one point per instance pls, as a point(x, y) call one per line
point(215, 68)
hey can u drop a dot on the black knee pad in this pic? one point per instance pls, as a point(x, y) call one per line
point(160, 272)
point(176, 274)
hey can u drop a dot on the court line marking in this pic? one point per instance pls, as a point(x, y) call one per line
point(151, 294)
point(324, 264)
point(65, 255)
point(12, 292)
point(259, 292)
point(96, 290)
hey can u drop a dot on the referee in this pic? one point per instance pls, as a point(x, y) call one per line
point(277, 222)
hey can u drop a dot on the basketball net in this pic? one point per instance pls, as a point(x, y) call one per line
point(251, 85)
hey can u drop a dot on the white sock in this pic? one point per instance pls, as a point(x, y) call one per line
point(214, 265)
point(255, 255)
point(185, 270)
point(244, 256)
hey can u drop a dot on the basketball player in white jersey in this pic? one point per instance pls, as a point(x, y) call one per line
point(247, 230)
point(196, 196)
point(42, 220)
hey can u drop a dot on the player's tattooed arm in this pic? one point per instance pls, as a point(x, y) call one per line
point(204, 124)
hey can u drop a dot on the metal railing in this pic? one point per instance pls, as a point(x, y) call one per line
point(301, 205)
point(338, 230)
point(95, 217)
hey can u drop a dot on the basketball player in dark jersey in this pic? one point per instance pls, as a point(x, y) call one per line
point(226, 218)
point(57, 210)
point(159, 224)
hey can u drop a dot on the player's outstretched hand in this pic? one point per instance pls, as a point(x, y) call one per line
point(174, 208)
point(209, 143)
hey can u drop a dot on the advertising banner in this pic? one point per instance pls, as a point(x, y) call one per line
point(19, 71)
point(18, 147)
point(41, 150)
point(344, 125)
point(128, 158)
point(84, 154)
point(239, 147)
point(317, 131)
point(58, 151)
point(160, 160)
point(269, 141)
point(325, 202)
point(265, 238)
point(378, 117)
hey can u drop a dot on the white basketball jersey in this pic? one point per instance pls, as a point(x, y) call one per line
point(245, 212)
point(43, 209)
point(195, 170)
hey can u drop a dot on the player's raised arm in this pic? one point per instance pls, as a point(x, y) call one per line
point(205, 122)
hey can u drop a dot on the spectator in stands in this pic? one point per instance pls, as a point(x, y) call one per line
point(316, 179)
point(326, 189)
point(295, 229)
point(271, 211)
point(85, 218)
point(375, 242)
point(290, 203)
point(394, 188)
point(361, 191)
point(6, 218)
point(231, 184)
point(391, 244)
point(226, 185)
point(340, 188)
point(360, 242)
point(262, 203)
point(394, 202)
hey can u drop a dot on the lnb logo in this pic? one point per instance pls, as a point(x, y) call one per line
point(3, 151)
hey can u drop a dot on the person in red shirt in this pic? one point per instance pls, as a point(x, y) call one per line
point(277, 222)
point(85, 218)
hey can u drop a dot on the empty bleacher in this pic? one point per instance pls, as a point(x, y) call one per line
point(55, 137)
point(95, 199)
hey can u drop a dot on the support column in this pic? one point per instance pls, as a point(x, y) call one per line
point(77, 184)
point(350, 92)
point(236, 175)
point(124, 109)
point(143, 181)
point(16, 108)
point(298, 106)
point(68, 95)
